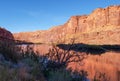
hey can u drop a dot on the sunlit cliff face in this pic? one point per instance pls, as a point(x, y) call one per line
point(89, 29)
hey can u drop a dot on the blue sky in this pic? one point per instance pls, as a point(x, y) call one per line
point(31, 15)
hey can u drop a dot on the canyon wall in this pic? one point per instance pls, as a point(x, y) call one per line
point(6, 36)
point(102, 25)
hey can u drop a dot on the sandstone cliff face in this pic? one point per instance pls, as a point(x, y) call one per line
point(99, 25)
point(6, 41)
point(5, 36)
point(5, 33)
point(99, 20)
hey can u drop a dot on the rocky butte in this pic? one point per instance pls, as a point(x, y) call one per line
point(6, 42)
point(102, 26)
point(6, 36)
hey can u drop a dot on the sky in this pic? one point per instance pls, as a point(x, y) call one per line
point(32, 15)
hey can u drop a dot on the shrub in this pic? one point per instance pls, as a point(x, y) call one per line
point(61, 58)
point(7, 74)
point(59, 75)
point(9, 51)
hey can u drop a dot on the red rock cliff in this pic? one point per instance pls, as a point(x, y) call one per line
point(5, 35)
point(6, 40)
point(102, 25)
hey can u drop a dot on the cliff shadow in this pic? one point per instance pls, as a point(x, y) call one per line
point(90, 49)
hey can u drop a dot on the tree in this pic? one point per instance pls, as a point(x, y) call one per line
point(57, 58)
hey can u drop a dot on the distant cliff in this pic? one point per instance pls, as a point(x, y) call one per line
point(102, 26)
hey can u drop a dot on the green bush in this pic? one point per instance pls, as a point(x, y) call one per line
point(7, 74)
point(59, 75)
point(9, 51)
